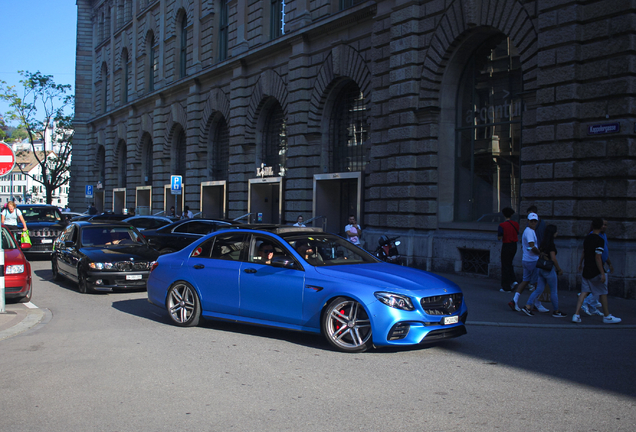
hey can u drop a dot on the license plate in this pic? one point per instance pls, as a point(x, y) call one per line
point(47, 241)
point(450, 320)
point(133, 277)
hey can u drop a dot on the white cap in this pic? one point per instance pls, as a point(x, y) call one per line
point(533, 216)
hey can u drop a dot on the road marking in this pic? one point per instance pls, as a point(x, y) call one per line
point(31, 305)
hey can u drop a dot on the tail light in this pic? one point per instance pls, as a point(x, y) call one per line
point(153, 266)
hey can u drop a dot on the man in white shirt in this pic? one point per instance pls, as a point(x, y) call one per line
point(529, 261)
point(353, 231)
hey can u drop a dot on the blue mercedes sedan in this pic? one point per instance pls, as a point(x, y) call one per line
point(307, 280)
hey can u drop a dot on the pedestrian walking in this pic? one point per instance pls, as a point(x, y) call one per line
point(548, 252)
point(529, 263)
point(508, 234)
point(593, 277)
point(591, 303)
point(92, 210)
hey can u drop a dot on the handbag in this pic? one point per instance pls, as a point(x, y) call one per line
point(25, 238)
point(545, 263)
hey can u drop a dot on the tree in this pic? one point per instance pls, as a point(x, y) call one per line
point(40, 111)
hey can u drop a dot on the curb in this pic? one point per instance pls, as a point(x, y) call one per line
point(569, 326)
point(31, 319)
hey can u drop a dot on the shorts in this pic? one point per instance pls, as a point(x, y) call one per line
point(594, 286)
point(530, 273)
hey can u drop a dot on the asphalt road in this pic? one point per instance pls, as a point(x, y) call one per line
point(112, 362)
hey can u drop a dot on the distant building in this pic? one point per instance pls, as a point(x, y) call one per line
point(24, 189)
point(422, 118)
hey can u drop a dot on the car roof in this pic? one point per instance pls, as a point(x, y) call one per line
point(38, 205)
point(278, 229)
point(87, 223)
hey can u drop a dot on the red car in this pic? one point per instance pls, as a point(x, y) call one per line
point(17, 269)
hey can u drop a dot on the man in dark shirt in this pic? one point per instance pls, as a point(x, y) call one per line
point(593, 280)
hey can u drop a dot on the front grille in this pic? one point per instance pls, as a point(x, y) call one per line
point(129, 283)
point(45, 233)
point(125, 266)
point(446, 304)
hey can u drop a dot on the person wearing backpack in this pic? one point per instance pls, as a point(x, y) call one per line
point(508, 233)
point(11, 214)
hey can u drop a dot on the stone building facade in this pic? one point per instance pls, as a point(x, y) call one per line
point(423, 118)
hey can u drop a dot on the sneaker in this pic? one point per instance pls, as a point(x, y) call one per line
point(504, 290)
point(541, 308)
point(559, 314)
point(513, 285)
point(586, 310)
point(611, 320)
point(576, 318)
point(527, 311)
point(514, 306)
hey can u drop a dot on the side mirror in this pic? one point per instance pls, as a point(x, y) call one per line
point(283, 262)
point(25, 246)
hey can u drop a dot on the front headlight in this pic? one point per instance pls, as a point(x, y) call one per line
point(100, 266)
point(395, 300)
point(14, 269)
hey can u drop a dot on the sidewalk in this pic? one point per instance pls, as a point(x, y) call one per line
point(18, 318)
point(487, 306)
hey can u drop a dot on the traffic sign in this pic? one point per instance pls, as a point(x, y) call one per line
point(7, 159)
point(175, 184)
point(89, 191)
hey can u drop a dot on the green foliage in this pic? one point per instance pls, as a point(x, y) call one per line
point(19, 134)
point(41, 104)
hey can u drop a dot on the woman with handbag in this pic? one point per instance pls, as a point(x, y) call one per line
point(548, 268)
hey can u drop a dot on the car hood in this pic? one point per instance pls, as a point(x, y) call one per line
point(397, 278)
point(120, 253)
point(40, 225)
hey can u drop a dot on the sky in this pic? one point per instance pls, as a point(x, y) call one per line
point(37, 35)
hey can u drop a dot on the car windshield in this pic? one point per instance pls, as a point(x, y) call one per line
point(109, 236)
point(320, 249)
point(40, 214)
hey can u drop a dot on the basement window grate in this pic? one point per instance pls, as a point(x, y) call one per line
point(475, 261)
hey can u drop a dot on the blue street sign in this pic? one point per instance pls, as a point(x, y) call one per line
point(175, 184)
point(89, 191)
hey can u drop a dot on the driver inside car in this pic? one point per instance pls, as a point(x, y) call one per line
point(308, 252)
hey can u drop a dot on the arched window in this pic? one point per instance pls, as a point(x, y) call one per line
point(122, 161)
point(219, 151)
point(125, 78)
point(101, 165)
point(104, 87)
point(183, 46)
point(223, 29)
point(488, 131)
point(276, 18)
point(348, 130)
point(147, 160)
point(151, 61)
point(274, 149)
point(179, 150)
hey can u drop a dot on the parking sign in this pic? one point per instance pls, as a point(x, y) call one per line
point(175, 184)
point(89, 191)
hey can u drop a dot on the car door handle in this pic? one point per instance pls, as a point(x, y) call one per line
point(199, 266)
point(249, 270)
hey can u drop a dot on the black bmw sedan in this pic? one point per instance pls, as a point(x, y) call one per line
point(102, 256)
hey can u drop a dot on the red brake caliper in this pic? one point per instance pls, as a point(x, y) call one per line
point(338, 326)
